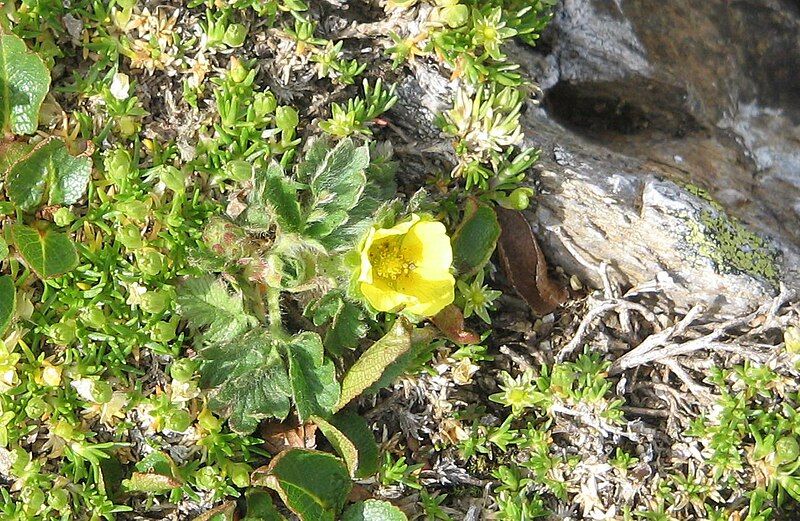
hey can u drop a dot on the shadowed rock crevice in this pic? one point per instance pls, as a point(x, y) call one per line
point(600, 110)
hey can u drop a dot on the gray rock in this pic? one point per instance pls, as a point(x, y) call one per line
point(644, 102)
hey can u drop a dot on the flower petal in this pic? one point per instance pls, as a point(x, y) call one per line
point(383, 297)
point(366, 265)
point(398, 229)
point(428, 246)
point(429, 295)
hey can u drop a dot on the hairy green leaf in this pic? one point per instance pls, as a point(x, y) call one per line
point(248, 380)
point(8, 302)
point(48, 174)
point(314, 485)
point(370, 366)
point(314, 386)
point(347, 322)
point(11, 152)
point(373, 510)
point(24, 82)
point(337, 185)
point(206, 303)
point(46, 252)
point(274, 196)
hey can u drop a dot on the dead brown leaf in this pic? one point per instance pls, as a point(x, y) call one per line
point(450, 321)
point(288, 434)
point(524, 264)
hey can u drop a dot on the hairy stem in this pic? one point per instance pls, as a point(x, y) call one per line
point(274, 312)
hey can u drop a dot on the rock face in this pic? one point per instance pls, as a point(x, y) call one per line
point(644, 101)
point(670, 134)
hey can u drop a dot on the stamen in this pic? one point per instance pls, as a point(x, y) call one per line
point(388, 261)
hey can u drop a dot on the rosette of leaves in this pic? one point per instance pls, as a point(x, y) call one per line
point(293, 238)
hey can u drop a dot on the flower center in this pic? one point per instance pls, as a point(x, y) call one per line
point(388, 261)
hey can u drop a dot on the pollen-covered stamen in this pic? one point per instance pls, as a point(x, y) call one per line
point(388, 261)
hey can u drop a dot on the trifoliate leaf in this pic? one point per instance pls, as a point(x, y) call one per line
point(48, 253)
point(248, 380)
point(314, 386)
point(314, 485)
point(24, 82)
point(370, 366)
point(206, 303)
point(48, 174)
point(373, 510)
point(8, 302)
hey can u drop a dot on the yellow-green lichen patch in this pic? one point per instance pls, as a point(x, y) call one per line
point(728, 244)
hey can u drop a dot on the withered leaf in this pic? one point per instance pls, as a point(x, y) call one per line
point(288, 434)
point(524, 264)
point(226, 510)
point(450, 321)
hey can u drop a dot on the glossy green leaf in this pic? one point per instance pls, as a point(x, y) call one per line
point(11, 152)
point(248, 380)
point(373, 510)
point(260, 507)
point(370, 366)
point(8, 302)
point(313, 484)
point(47, 174)
point(46, 252)
point(313, 379)
point(476, 238)
point(24, 82)
point(353, 440)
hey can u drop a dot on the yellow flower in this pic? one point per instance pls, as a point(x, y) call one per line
point(408, 267)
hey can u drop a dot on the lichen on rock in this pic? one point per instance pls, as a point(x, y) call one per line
point(724, 240)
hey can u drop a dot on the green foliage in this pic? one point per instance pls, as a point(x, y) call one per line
point(475, 239)
point(206, 303)
point(49, 175)
point(314, 485)
point(47, 252)
point(373, 363)
point(352, 439)
point(346, 321)
point(373, 510)
point(353, 117)
point(8, 302)
point(24, 82)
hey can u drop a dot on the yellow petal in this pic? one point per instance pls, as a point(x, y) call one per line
point(366, 265)
point(382, 297)
point(398, 229)
point(430, 295)
point(427, 245)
